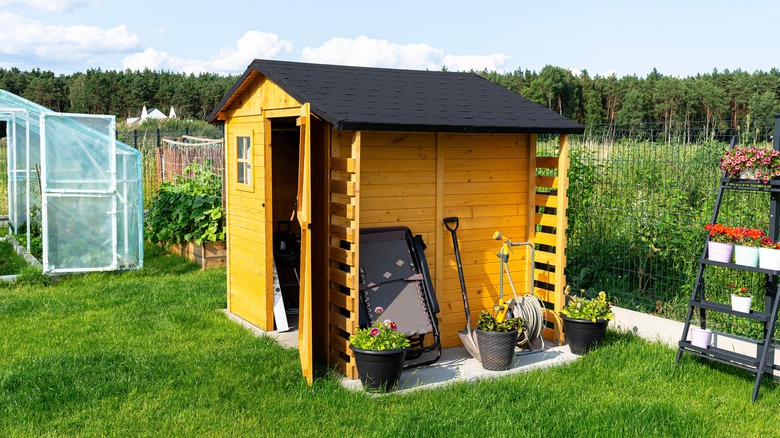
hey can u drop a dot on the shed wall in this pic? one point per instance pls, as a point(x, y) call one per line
point(418, 179)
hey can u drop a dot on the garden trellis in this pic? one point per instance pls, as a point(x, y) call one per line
point(70, 180)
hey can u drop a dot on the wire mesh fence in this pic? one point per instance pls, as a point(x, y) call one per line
point(639, 196)
point(176, 156)
point(151, 144)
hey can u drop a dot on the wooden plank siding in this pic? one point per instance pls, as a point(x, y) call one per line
point(485, 180)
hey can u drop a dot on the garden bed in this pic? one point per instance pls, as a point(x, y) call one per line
point(205, 255)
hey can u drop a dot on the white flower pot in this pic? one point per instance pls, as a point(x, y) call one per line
point(719, 252)
point(769, 258)
point(746, 255)
point(741, 304)
point(700, 337)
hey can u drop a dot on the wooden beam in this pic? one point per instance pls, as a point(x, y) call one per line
point(342, 210)
point(342, 164)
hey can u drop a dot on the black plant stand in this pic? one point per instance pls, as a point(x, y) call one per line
point(763, 361)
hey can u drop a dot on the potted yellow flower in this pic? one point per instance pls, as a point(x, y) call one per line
point(496, 341)
point(380, 351)
point(585, 321)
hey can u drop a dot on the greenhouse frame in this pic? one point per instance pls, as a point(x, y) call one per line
point(81, 189)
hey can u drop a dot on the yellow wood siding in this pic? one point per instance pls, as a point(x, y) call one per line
point(417, 179)
point(485, 183)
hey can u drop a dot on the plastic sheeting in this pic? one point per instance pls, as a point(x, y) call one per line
point(80, 187)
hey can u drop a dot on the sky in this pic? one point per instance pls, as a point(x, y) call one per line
point(678, 38)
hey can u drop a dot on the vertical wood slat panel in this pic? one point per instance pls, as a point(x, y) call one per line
point(344, 183)
point(554, 240)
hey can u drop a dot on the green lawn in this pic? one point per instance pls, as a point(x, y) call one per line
point(149, 353)
point(10, 262)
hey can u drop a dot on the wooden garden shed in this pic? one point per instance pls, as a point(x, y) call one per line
point(344, 148)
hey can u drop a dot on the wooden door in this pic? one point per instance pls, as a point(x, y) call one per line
point(304, 218)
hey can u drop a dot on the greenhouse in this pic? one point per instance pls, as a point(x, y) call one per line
point(71, 183)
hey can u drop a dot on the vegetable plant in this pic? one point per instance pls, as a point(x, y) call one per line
point(188, 209)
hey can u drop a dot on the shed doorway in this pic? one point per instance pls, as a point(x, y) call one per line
point(295, 166)
point(285, 139)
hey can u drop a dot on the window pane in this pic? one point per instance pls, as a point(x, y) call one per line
point(241, 177)
point(241, 148)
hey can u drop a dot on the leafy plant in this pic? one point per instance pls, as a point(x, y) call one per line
point(578, 307)
point(741, 291)
point(488, 323)
point(189, 210)
point(382, 335)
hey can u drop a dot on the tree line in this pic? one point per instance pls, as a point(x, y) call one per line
point(120, 93)
point(716, 98)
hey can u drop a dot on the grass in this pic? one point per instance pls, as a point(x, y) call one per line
point(149, 353)
point(10, 262)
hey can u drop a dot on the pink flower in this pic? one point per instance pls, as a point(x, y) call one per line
point(379, 310)
point(374, 331)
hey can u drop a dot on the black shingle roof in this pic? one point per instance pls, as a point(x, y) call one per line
point(361, 98)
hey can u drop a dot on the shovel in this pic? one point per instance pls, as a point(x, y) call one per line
point(467, 337)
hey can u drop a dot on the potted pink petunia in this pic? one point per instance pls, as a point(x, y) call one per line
point(380, 351)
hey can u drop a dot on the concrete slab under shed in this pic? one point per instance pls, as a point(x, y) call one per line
point(455, 365)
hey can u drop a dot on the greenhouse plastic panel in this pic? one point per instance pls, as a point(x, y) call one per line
point(82, 186)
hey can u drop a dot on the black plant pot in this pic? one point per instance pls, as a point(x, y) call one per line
point(496, 349)
point(583, 334)
point(379, 370)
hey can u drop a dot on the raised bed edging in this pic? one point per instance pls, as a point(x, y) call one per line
point(206, 255)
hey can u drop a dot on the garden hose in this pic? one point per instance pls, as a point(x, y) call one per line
point(531, 309)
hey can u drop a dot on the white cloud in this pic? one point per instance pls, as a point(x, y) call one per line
point(252, 45)
point(57, 6)
point(369, 52)
point(32, 38)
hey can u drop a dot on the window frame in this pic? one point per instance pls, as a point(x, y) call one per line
point(244, 162)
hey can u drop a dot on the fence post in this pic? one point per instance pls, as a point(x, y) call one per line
point(135, 139)
point(158, 138)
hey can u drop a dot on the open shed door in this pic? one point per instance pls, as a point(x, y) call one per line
point(304, 218)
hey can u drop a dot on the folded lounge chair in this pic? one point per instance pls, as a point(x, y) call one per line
point(394, 275)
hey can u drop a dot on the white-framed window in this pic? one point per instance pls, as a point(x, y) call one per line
point(244, 160)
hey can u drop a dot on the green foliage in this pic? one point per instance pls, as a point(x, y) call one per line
point(189, 210)
point(381, 336)
point(488, 323)
point(10, 262)
point(580, 307)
